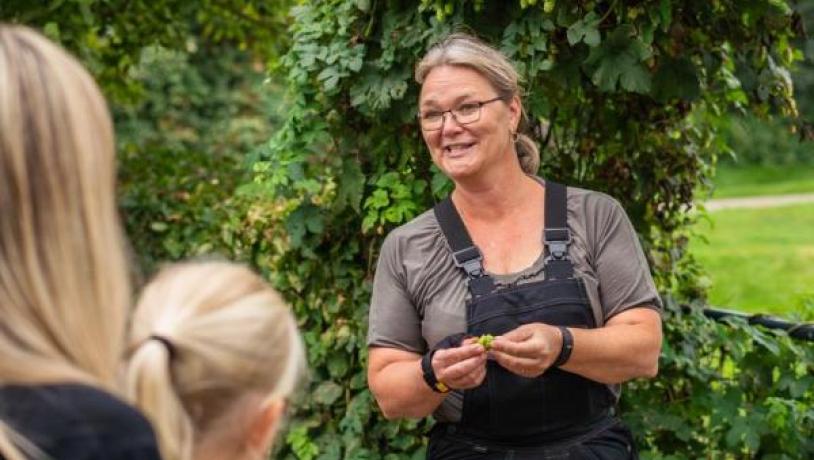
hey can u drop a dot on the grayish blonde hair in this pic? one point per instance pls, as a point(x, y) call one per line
point(64, 286)
point(205, 336)
point(465, 50)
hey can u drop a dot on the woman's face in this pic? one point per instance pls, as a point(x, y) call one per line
point(463, 151)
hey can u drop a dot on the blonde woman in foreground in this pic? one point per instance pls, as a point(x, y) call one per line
point(215, 352)
point(64, 289)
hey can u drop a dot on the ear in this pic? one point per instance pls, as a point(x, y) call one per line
point(515, 113)
point(265, 424)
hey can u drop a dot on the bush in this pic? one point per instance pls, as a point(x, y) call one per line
point(183, 148)
point(804, 73)
point(768, 142)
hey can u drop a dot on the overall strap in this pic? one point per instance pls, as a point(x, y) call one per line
point(557, 237)
point(464, 253)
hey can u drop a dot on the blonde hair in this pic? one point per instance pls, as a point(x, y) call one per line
point(204, 336)
point(13, 445)
point(465, 50)
point(64, 287)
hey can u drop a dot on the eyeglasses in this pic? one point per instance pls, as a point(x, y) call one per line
point(464, 114)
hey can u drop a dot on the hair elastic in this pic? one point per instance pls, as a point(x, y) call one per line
point(171, 349)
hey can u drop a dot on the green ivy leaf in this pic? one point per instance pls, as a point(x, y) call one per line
point(585, 30)
point(619, 60)
point(301, 443)
point(338, 365)
point(351, 186)
point(363, 5)
point(676, 78)
point(327, 393)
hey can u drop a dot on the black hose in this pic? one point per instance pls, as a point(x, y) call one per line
point(801, 331)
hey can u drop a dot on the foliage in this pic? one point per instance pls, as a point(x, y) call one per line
point(627, 97)
point(182, 148)
point(768, 142)
point(725, 391)
point(184, 82)
point(109, 35)
point(761, 140)
point(804, 74)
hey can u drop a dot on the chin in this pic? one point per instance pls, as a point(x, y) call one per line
point(452, 167)
point(457, 173)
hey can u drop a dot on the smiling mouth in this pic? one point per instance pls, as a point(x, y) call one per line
point(458, 148)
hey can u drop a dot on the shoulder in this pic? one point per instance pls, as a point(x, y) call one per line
point(594, 213)
point(85, 404)
point(101, 409)
point(422, 234)
point(65, 417)
point(423, 225)
point(587, 202)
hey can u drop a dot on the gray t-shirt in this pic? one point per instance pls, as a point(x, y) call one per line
point(419, 295)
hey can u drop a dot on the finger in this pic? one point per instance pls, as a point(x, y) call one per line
point(463, 368)
point(449, 356)
point(521, 366)
point(479, 375)
point(518, 334)
point(469, 341)
point(529, 348)
point(472, 380)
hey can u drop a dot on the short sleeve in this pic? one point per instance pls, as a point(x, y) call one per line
point(394, 320)
point(619, 262)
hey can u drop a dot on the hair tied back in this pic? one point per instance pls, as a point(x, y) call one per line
point(171, 349)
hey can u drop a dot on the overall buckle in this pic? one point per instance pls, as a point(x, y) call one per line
point(557, 241)
point(471, 260)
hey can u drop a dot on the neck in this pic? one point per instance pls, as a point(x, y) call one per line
point(214, 450)
point(496, 196)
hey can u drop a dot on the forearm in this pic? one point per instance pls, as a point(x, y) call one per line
point(616, 353)
point(401, 391)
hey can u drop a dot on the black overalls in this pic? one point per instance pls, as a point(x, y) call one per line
point(558, 415)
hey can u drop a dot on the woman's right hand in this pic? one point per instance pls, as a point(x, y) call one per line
point(460, 368)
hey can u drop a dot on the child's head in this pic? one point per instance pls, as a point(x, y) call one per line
point(214, 353)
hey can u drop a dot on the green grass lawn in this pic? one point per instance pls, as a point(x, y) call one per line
point(740, 181)
point(759, 260)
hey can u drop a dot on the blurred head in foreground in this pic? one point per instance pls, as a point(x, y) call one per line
point(215, 352)
point(64, 288)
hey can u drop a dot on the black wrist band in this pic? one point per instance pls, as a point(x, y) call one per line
point(567, 346)
point(429, 374)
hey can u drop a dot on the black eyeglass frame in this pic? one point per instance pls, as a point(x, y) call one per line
point(451, 112)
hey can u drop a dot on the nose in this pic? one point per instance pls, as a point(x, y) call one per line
point(451, 125)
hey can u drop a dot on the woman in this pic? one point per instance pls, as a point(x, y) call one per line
point(64, 289)
point(215, 353)
point(556, 274)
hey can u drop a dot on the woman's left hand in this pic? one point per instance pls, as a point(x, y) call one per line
point(528, 350)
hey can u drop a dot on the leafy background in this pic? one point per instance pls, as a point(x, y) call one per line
point(282, 134)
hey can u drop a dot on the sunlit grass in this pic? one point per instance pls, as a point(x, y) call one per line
point(759, 260)
point(763, 180)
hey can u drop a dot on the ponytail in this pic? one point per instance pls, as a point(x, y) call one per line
point(150, 384)
point(528, 153)
point(207, 339)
